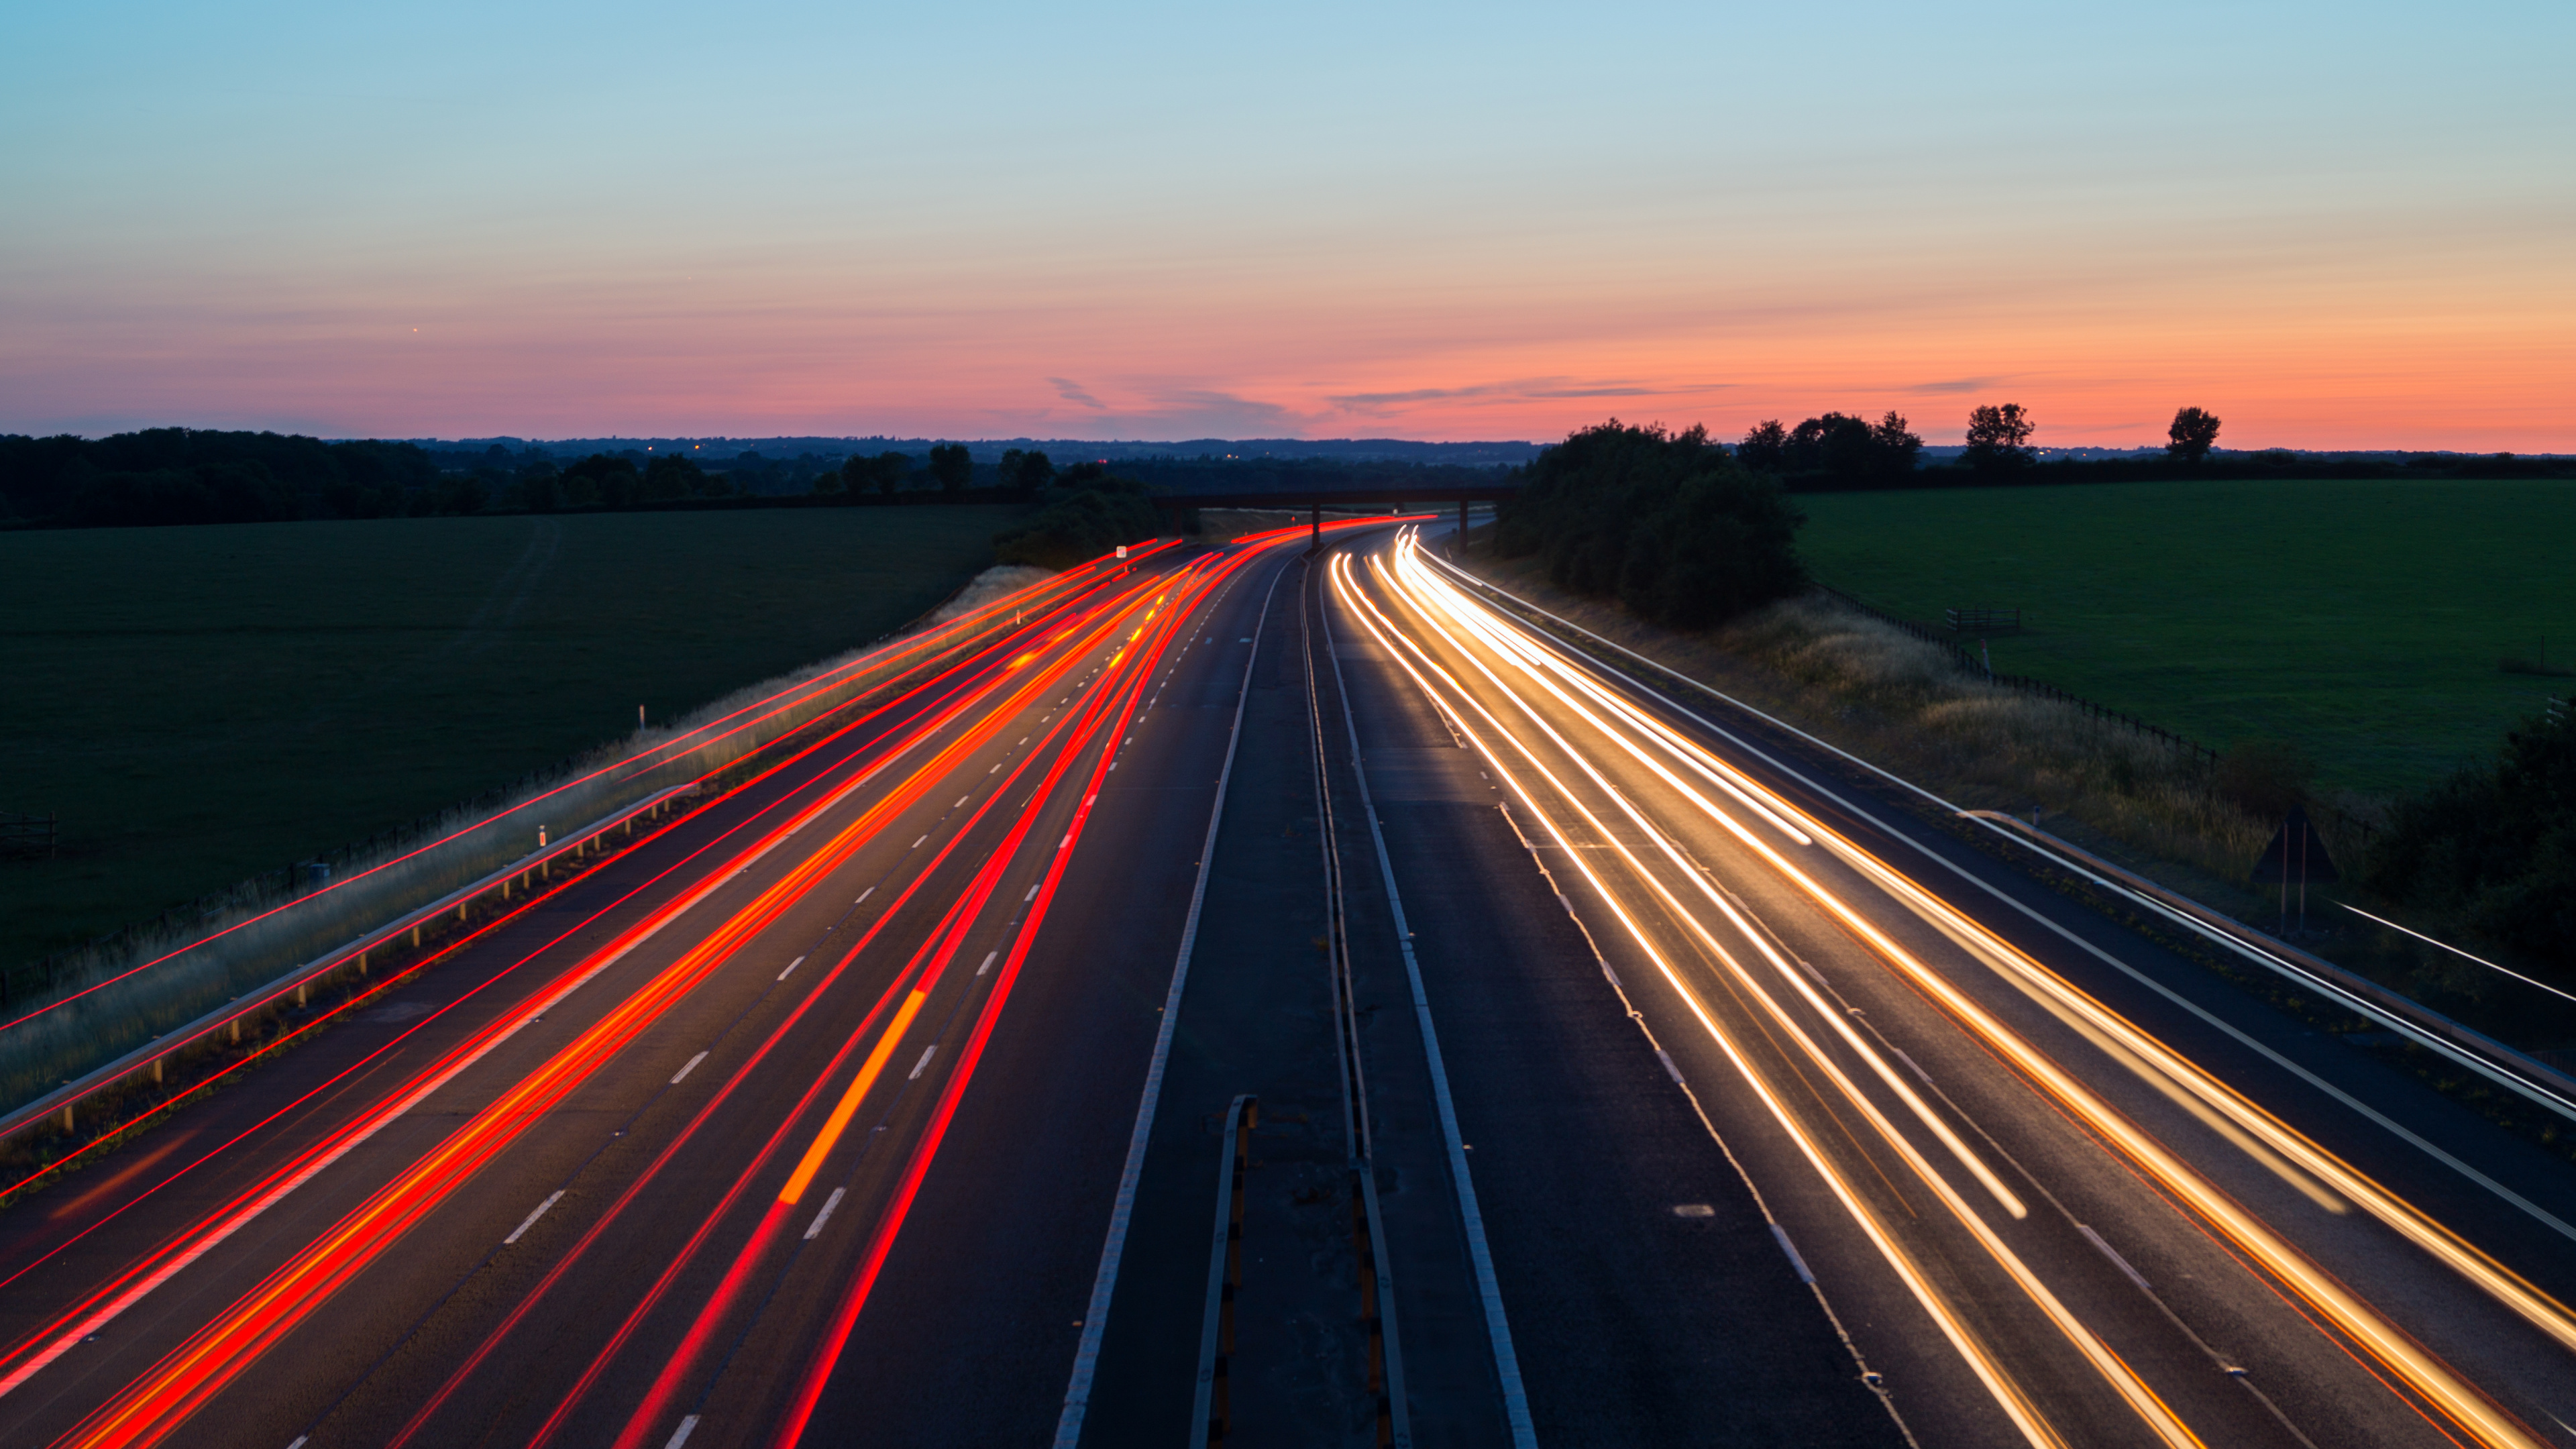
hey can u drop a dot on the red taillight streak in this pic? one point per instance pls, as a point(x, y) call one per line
point(949, 937)
point(222, 1349)
point(673, 1374)
point(836, 1333)
point(741, 1074)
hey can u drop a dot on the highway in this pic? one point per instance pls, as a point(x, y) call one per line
point(1604, 1072)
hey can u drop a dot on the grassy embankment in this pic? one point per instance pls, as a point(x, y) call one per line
point(200, 704)
point(2362, 621)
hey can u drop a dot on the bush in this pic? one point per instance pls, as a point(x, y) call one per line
point(1665, 523)
point(2494, 846)
point(1088, 517)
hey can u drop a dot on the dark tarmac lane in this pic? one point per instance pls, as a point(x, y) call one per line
point(1606, 1081)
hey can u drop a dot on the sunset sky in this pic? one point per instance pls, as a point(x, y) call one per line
point(2342, 225)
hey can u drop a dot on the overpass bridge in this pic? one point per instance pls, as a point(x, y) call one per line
point(1314, 501)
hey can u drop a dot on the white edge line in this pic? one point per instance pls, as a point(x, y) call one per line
point(1104, 1284)
point(1506, 1363)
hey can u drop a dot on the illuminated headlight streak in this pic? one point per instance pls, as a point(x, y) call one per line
point(1421, 582)
point(2007, 1395)
point(2423, 1372)
point(1688, 870)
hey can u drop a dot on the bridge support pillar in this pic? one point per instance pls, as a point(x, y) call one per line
point(1314, 529)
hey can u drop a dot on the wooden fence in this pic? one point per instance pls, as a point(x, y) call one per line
point(27, 835)
point(1980, 620)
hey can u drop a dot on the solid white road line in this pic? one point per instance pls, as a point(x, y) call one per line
point(530, 1220)
point(1507, 1366)
point(1095, 1322)
point(702, 1056)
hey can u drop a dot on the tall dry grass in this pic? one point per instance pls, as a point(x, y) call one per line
point(1993, 747)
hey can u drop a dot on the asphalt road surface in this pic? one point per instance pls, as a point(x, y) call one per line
point(1603, 1067)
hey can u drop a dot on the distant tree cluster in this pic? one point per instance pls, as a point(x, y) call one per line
point(1667, 523)
point(1836, 445)
point(183, 475)
point(1083, 513)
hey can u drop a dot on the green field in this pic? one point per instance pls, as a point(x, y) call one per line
point(2364, 620)
point(200, 704)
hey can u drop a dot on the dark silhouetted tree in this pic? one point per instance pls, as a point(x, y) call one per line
point(1765, 446)
point(1998, 438)
point(953, 466)
point(673, 475)
point(1894, 447)
point(1026, 469)
point(1667, 523)
point(2193, 434)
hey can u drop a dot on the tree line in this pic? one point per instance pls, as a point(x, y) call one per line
point(162, 476)
point(1671, 524)
point(1837, 452)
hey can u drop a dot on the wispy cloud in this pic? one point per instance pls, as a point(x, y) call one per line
point(1528, 387)
point(1954, 385)
point(1072, 392)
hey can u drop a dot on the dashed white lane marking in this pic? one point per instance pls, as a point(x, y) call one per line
point(680, 1435)
point(530, 1220)
point(863, 896)
point(791, 966)
point(702, 1056)
point(989, 958)
point(961, 802)
point(923, 1065)
point(918, 843)
point(820, 1218)
point(996, 765)
point(1032, 895)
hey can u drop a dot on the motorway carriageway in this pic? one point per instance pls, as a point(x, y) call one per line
point(2055, 1193)
point(1678, 1081)
point(631, 1160)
